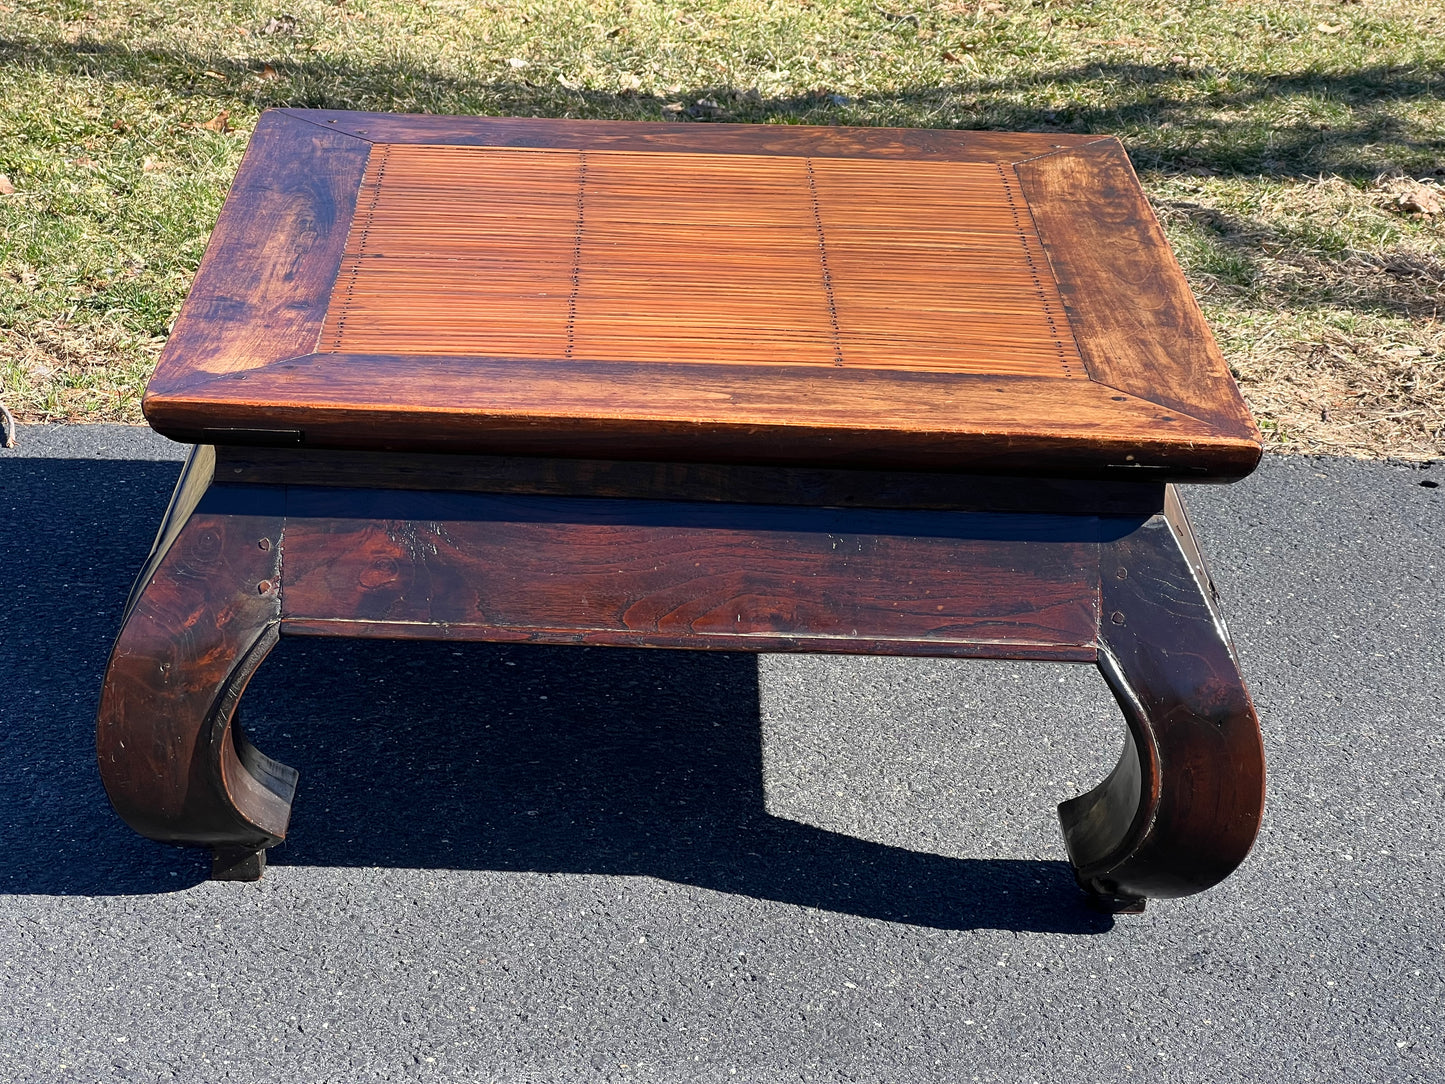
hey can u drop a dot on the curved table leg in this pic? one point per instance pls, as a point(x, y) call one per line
point(203, 615)
point(1182, 808)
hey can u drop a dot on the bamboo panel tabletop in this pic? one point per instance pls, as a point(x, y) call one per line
point(620, 256)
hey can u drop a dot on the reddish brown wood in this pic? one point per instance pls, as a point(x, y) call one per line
point(707, 413)
point(904, 144)
point(277, 246)
point(1182, 808)
point(1126, 590)
point(672, 574)
point(878, 391)
point(811, 356)
point(204, 614)
point(1104, 244)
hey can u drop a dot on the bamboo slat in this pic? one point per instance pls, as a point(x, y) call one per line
point(664, 257)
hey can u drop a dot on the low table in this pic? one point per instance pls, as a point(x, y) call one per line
point(725, 387)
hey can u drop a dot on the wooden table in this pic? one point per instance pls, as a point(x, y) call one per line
point(745, 388)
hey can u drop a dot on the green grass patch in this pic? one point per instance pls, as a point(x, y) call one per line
point(1277, 141)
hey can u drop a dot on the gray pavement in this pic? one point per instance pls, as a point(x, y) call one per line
point(531, 864)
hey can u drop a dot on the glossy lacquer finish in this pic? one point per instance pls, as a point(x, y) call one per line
point(712, 387)
point(204, 613)
point(1183, 806)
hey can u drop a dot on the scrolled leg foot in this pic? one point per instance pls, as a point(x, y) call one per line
point(1181, 809)
point(204, 613)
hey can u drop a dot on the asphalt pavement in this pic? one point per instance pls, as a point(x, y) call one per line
point(526, 864)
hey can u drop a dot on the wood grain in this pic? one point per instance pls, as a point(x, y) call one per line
point(1138, 326)
point(901, 144)
point(263, 289)
point(1074, 295)
point(1181, 810)
point(699, 413)
point(661, 574)
point(204, 615)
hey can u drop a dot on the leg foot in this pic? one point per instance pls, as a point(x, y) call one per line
point(237, 864)
point(1116, 905)
point(1181, 809)
point(204, 613)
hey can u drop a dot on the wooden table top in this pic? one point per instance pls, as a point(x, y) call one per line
point(883, 298)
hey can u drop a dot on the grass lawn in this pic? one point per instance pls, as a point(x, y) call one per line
point(1293, 149)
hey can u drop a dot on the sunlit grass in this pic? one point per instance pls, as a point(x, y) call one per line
point(1261, 132)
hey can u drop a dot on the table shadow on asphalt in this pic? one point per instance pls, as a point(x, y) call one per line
point(432, 755)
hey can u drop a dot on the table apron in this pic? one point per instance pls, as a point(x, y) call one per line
point(658, 574)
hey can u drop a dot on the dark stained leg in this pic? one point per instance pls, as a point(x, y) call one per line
point(1182, 808)
point(203, 615)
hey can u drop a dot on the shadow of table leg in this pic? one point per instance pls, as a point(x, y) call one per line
point(1181, 810)
point(204, 613)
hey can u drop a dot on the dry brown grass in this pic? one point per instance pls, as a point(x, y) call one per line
point(1337, 348)
point(1352, 394)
